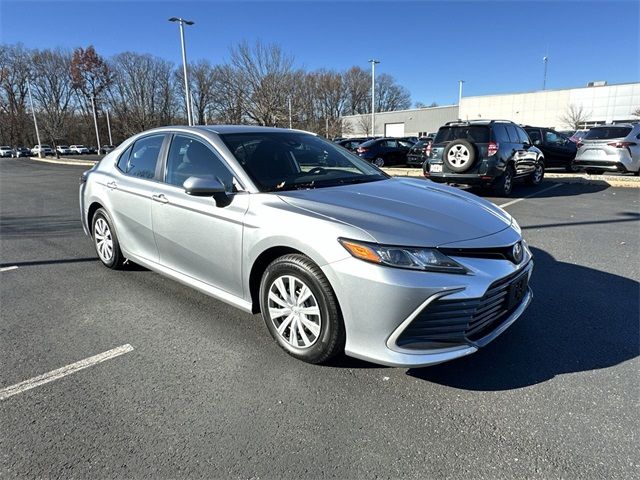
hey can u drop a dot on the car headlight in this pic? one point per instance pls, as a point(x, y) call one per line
point(413, 258)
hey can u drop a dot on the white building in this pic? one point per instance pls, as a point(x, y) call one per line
point(598, 103)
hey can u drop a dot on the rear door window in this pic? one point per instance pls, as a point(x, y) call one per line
point(141, 162)
point(513, 134)
point(605, 133)
point(522, 135)
point(471, 133)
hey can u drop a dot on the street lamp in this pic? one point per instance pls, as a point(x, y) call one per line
point(373, 95)
point(460, 82)
point(182, 22)
point(35, 122)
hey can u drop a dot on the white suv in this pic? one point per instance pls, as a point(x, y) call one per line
point(6, 151)
point(610, 148)
point(78, 149)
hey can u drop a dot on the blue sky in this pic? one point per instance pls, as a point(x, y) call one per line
point(426, 45)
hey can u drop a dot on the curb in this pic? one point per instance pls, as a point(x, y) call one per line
point(582, 178)
point(65, 161)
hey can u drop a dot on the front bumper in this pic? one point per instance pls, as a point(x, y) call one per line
point(378, 303)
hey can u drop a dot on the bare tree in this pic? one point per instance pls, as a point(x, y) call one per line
point(53, 91)
point(364, 122)
point(358, 86)
point(202, 84)
point(636, 112)
point(389, 95)
point(14, 114)
point(263, 70)
point(575, 116)
point(142, 95)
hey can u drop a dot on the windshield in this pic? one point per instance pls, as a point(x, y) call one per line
point(605, 133)
point(472, 133)
point(278, 161)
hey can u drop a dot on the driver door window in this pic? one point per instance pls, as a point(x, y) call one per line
point(189, 157)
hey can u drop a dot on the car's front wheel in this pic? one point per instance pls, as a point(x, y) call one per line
point(378, 162)
point(105, 240)
point(301, 310)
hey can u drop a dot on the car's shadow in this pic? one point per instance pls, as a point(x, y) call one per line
point(581, 319)
point(543, 191)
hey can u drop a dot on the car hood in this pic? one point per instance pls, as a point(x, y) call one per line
point(405, 211)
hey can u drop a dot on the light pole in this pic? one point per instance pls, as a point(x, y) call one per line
point(545, 59)
point(95, 120)
point(182, 22)
point(290, 121)
point(373, 95)
point(109, 129)
point(35, 122)
point(460, 82)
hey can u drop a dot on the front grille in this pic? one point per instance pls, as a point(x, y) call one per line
point(445, 323)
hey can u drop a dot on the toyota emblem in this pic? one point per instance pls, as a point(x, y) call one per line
point(516, 252)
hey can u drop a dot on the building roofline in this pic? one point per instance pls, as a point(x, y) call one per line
point(550, 90)
point(400, 111)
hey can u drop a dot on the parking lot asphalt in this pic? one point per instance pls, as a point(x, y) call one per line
point(205, 392)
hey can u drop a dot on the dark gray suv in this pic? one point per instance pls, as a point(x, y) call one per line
point(484, 152)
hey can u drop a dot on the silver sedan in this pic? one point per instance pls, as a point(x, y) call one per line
point(336, 255)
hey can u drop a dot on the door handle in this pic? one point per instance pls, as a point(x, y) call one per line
point(112, 185)
point(159, 198)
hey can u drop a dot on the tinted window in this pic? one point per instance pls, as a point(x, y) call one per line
point(604, 133)
point(405, 143)
point(419, 147)
point(500, 133)
point(534, 135)
point(279, 161)
point(472, 133)
point(513, 134)
point(522, 135)
point(142, 159)
point(192, 158)
point(389, 143)
point(553, 138)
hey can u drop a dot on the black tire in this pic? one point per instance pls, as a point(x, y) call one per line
point(330, 339)
point(595, 171)
point(116, 260)
point(572, 168)
point(378, 162)
point(504, 184)
point(462, 145)
point(537, 176)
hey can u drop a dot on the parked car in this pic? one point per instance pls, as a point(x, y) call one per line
point(567, 133)
point(78, 149)
point(578, 135)
point(557, 149)
point(412, 140)
point(63, 149)
point(46, 150)
point(610, 148)
point(21, 152)
point(419, 153)
point(385, 151)
point(351, 143)
point(6, 151)
point(484, 152)
point(92, 150)
point(106, 148)
point(343, 259)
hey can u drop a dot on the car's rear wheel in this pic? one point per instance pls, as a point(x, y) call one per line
point(105, 240)
point(379, 162)
point(504, 185)
point(300, 309)
point(538, 174)
point(594, 171)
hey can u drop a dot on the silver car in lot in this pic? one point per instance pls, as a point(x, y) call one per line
point(335, 254)
point(610, 148)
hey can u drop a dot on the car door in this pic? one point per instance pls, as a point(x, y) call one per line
point(199, 236)
point(129, 192)
point(404, 146)
point(559, 150)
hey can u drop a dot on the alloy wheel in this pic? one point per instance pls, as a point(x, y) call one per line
point(537, 174)
point(458, 155)
point(294, 311)
point(103, 239)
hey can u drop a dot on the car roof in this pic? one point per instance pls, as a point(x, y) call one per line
point(222, 129)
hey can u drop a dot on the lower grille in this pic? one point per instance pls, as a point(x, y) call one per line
point(446, 323)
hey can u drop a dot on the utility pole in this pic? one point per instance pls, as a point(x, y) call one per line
point(109, 128)
point(326, 120)
point(460, 82)
point(35, 122)
point(373, 95)
point(95, 120)
point(187, 96)
point(545, 60)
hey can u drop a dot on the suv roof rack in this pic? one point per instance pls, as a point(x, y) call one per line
point(477, 120)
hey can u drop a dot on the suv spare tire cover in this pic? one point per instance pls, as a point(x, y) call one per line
point(459, 155)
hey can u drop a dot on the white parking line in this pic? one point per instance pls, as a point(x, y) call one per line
point(62, 372)
point(529, 196)
point(6, 269)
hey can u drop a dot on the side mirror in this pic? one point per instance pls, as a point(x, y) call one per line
point(205, 186)
point(537, 142)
